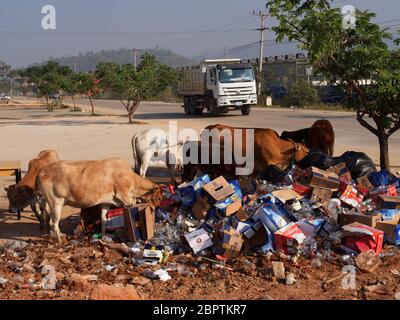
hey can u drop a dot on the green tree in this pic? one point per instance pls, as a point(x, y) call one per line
point(49, 79)
point(133, 85)
point(357, 59)
point(302, 94)
point(87, 85)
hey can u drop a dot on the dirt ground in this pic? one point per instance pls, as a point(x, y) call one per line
point(24, 131)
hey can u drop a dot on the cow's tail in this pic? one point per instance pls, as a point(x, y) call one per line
point(136, 158)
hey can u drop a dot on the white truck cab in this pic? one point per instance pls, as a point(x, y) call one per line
point(218, 86)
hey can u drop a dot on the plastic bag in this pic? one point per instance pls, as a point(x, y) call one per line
point(358, 163)
point(316, 158)
point(273, 174)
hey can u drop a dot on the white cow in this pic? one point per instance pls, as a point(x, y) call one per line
point(152, 145)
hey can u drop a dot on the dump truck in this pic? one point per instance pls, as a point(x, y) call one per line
point(218, 86)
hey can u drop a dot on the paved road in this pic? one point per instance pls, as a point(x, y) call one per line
point(349, 134)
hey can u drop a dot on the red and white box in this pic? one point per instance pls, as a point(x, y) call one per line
point(383, 191)
point(288, 238)
point(115, 220)
point(352, 196)
point(359, 237)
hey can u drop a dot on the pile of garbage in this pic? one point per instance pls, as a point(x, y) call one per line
point(344, 210)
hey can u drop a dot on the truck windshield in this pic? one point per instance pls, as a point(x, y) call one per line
point(227, 75)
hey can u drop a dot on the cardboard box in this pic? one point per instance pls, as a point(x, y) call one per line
point(352, 196)
point(134, 225)
point(153, 254)
point(323, 179)
point(343, 173)
point(115, 220)
point(286, 195)
point(253, 229)
point(383, 191)
point(218, 189)
point(199, 240)
point(289, 238)
point(271, 218)
point(321, 195)
point(233, 203)
point(200, 208)
point(359, 238)
point(229, 244)
point(390, 214)
point(241, 215)
point(387, 202)
point(147, 217)
point(368, 220)
point(317, 227)
point(259, 238)
point(391, 230)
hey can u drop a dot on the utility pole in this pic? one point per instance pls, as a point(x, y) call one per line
point(262, 29)
point(226, 53)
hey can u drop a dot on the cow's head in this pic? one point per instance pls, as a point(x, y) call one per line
point(300, 152)
point(19, 197)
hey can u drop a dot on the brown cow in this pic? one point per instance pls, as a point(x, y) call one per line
point(320, 136)
point(84, 184)
point(269, 149)
point(22, 194)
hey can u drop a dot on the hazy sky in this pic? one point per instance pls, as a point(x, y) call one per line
point(92, 25)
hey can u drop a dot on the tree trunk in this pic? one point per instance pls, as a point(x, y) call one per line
point(47, 103)
point(73, 100)
point(384, 150)
point(131, 111)
point(91, 103)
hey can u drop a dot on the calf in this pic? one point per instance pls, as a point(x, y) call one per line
point(22, 194)
point(149, 144)
point(320, 136)
point(84, 184)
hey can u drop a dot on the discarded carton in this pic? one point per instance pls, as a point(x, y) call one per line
point(343, 173)
point(200, 208)
point(388, 190)
point(233, 203)
point(387, 202)
point(147, 218)
point(271, 218)
point(368, 220)
point(230, 243)
point(352, 196)
point(153, 254)
point(317, 227)
point(115, 220)
point(241, 215)
point(258, 239)
point(389, 214)
point(391, 230)
point(359, 238)
point(289, 238)
point(133, 225)
point(286, 195)
point(323, 179)
point(218, 189)
point(321, 195)
point(199, 240)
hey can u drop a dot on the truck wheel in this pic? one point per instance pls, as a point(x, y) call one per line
point(225, 110)
point(186, 107)
point(245, 110)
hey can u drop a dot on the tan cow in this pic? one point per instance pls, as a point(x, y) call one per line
point(84, 184)
point(22, 194)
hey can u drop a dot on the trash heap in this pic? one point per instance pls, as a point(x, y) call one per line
point(315, 213)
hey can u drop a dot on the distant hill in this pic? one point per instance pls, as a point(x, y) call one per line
point(89, 60)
